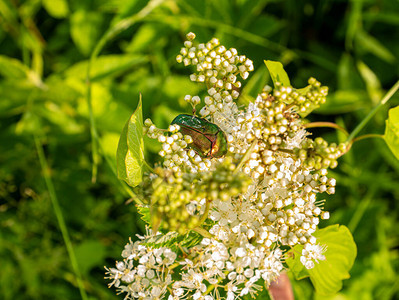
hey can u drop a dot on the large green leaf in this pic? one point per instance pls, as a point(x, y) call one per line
point(277, 72)
point(130, 152)
point(327, 275)
point(391, 135)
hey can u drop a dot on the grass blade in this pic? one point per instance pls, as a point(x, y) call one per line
point(60, 217)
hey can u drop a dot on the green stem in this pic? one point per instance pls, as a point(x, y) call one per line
point(110, 34)
point(60, 217)
point(361, 208)
point(326, 124)
point(384, 100)
point(368, 136)
point(93, 130)
point(206, 212)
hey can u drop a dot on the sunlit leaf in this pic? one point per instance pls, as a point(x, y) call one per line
point(277, 73)
point(109, 144)
point(178, 86)
point(30, 123)
point(391, 135)
point(130, 152)
point(163, 115)
point(12, 68)
point(105, 66)
point(147, 35)
point(85, 29)
point(56, 8)
point(56, 116)
point(110, 113)
point(327, 275)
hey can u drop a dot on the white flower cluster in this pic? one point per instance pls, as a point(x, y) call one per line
point(219, 69)
point(247, 234)
point(311, 253)
point(240, 268)
point(144, 272)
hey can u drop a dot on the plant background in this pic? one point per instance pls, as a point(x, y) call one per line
point(350, 46)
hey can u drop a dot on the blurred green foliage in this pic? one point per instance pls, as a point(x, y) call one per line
point(350, 46)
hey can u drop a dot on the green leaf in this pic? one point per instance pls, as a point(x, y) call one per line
point(371, 80)
point(109, 145)
point(85, 29)
point(277, 73)
point(144, 211)
point(391, 135)
point(191, 239)
point(56, 8)
point(106, 66)
point(344, 101)
point(264, 25)
point(12, 68)
point(340, 255)
point(30, 123)
point(370, 44)
point(14, 94)
point(178, 86)
point(162, 240)
point(130, 152)
point(388, 17)
point(146, 36)
point(89, 255)
point(348, 78)
point(172, 239)
point(254, 85)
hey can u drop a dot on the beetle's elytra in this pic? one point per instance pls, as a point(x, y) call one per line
point(208, 139)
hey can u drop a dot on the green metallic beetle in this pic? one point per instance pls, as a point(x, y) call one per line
point(208, 139)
